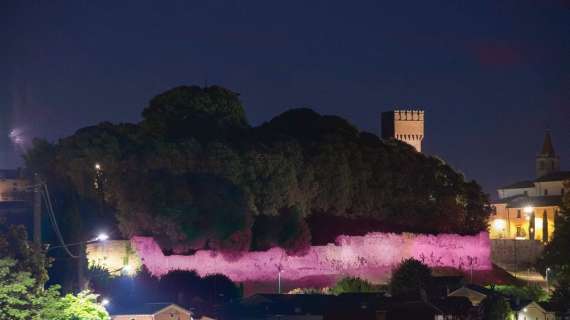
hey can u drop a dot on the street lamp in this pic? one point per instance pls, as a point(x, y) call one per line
point(102, 237)
point(128, 270)
point(99, 238)
point(105, 302)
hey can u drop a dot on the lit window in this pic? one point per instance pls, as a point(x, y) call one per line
point(519, 232)
point(519, 213)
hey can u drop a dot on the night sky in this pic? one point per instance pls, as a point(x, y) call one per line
point(491, 75)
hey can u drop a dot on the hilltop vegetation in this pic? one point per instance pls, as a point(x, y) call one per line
point(194, 174)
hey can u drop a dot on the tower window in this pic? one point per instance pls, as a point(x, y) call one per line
point(518, 213)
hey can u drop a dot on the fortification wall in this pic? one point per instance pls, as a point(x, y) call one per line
point(351, 255)
point(511, 254)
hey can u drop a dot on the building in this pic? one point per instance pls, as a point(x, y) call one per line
point(404, 125)
point(526, 310)
point(527, 209)
point(13, 185)
point(151, 311)
point(523, 310)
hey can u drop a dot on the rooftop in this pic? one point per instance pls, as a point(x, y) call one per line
point(141, 309)
point(555, 176)
point(520, 185)
point(520, 201)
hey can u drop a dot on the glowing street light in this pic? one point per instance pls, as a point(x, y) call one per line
point(102, 237)
point(105, 302)
point(128, 270)
point(97, 166)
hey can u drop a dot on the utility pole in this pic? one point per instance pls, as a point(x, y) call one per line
point(37, 207)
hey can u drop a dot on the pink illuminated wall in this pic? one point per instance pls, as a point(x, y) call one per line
point(351, 255)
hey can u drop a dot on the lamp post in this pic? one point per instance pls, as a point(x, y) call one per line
point(279, 270)
point(547, 281)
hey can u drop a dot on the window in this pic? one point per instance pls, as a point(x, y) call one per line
point(519, 233)
point(545, 192)
point(518, 213)
point(526, 193)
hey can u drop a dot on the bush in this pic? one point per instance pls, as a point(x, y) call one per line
point(495, 307)
point(530, 292)
point(411, 278)
point(353, 284)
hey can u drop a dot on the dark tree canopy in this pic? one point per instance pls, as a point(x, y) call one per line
point(194, 174)
point(556, 254)
point(192, 111)
point(411, 279)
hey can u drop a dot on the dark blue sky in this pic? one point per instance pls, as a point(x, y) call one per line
point(491, 75)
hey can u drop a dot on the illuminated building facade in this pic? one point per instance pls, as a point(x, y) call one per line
point(527, 209)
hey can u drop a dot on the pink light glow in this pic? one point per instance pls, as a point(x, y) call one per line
point(363, 256)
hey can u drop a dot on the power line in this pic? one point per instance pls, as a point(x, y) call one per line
point(47, 200)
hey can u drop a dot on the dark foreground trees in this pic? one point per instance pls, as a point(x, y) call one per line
point(411, 280)
point(556, 256)
point(23, 276)
point(194, 174)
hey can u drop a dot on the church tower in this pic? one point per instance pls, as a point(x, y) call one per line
point(547, 161)
point(404, 125)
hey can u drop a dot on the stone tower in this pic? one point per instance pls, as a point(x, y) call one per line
point(546, 160)
point(404, 125)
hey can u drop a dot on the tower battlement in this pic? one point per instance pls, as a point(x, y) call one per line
point(410, 115)
point(406, 125)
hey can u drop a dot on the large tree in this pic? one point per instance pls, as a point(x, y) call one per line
point(556, 254)
point(194, 174)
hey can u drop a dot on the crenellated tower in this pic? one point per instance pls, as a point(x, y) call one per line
point(404, 125)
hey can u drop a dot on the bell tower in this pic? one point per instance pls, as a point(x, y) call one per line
point(404, 125)
point(547, 161)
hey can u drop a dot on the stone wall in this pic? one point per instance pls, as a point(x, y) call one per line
point(113, 255)
point(506, 252)
point(362, 256)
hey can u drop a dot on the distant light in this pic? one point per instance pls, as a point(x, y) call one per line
point(528, 209)
point(499, 224)
point(105, 302)
point(525, 309)
point(102, 237)
point(128, 270)
point(97, 166)
point(16, 136)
